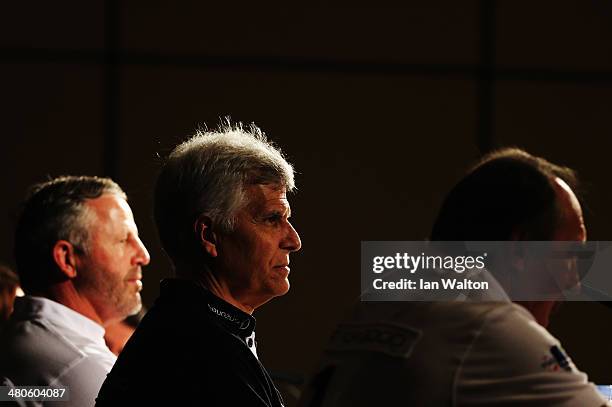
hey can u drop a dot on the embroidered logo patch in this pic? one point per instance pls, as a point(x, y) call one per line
point(242, 324)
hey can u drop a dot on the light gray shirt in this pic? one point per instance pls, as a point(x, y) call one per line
point(479, 350)
point(48, 344)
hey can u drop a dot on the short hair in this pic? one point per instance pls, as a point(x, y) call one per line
point(508, 191)
point(54, 210)
point(208, 175)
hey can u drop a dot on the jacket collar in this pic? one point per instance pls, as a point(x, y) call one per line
point(225, 314)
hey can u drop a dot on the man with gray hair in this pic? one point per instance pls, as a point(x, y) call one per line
point(79, 259)
point(223, 219)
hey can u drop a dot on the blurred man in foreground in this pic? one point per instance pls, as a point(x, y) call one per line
point(79, 260)
point(222, 214)
point(489, 352)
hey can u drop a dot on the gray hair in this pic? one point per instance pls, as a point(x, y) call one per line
point(55, 210)
point(208, 175)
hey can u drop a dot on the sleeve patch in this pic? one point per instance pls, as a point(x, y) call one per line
point(557, 360)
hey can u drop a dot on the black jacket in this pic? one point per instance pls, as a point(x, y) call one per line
point(190, 349)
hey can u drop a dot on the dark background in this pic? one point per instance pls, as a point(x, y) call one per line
point(381, 109)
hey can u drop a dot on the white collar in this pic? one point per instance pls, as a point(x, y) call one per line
point(59, 315)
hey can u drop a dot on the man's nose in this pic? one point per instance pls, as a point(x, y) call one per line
point(142, 257)
point(292, 241)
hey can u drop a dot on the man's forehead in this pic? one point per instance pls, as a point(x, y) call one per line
point(567, 196)
point(572, 225)
point(109, 206)
point(267, 195)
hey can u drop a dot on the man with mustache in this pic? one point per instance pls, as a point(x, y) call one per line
point(222, 215)
point(79, 260)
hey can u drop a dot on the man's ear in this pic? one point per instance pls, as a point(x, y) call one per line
point(65, 258)
point(206, 237)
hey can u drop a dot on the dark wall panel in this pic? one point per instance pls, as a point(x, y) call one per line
point(556, 35)
point(59, 26)
point(425, 32)
point(52, 121)
point(569, 124)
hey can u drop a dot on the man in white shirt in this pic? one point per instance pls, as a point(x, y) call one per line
point(482, 352)
point(79, 259)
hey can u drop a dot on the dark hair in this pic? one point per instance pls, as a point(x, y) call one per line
point(508, 191)
point(53, 211)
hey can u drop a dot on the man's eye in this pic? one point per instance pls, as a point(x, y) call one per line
point(273, 219)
